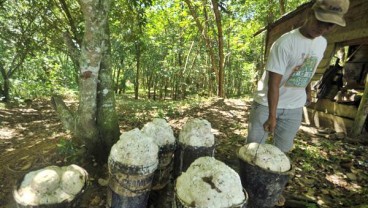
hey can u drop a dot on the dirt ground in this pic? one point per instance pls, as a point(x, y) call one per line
point(329, 172)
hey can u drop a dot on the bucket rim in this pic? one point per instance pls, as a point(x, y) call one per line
point(240, 205)
point(167, 148)
point(186, 146)
point(291, 171)
point(75, 198)
point(132, 169)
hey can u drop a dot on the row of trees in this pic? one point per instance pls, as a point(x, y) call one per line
point(167, 48)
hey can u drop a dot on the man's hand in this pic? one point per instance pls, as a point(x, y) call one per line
point(270, 125)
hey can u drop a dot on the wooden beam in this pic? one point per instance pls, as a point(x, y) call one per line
point(321, 119)
point(334, 108)
point(362, 112)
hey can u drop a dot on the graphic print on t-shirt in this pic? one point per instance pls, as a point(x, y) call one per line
point(301, 77)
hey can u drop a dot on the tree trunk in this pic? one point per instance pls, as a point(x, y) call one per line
point(282, 7)
point(95, 123)
point(6, 90)
point(136, 83)
point(362, 112)
point(2, 88)
point(206, 37)
point(107, 119)
point(92, 51)
point(118, 84)
point(154, 90)
point(270, 14)
point(220, 40)
point(17, 62)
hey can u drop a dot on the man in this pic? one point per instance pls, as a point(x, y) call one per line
point(285, 85)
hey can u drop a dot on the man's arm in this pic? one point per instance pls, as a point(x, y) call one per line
point(273, 99)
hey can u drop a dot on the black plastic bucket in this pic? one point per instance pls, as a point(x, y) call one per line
point(72, 203)
point(128, 187)
point(185, 155)
point(165, 167)
point(162, 198)
point(264, 187)
point(161, 193)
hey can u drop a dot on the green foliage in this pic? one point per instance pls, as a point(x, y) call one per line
point(311, 205)
point(31, 56)
point(139, 112)
point(172, 51)
point(67, 149)
point(49, 77)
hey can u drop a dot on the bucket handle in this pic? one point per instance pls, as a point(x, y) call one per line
point(255, 155)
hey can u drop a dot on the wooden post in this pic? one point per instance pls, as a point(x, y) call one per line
point(362, 112)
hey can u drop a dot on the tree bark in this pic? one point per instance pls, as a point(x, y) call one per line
point(93, 47)
point(95, 123)
point(4, 90)
point(74, 52)
point(282, 7)
point(206, 38)
point(138, 61)
point(220, 40)
point(118, 84)
point(107, 119)
point(66, 116)
point(270, 14)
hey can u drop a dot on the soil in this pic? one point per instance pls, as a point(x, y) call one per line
point(329, 171)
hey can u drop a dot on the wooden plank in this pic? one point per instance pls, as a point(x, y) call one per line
point(316, 77)
point(326, 60)
point(357, 31)
point(324, 120)
point(330, 107)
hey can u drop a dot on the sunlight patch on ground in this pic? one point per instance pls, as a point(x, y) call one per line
point(308, 129)
point(215, 131)
point(224, 113)
point(10, 149)
point(28, 110)
point(241, 132)
point(234, 102)
point(7, 133)
point(340, 180)
point(20, 127)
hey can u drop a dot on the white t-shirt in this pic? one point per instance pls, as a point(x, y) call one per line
point(289, 51)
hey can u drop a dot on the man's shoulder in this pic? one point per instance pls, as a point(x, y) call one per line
point(321, 39)
point(294, 32)
point(288, 38)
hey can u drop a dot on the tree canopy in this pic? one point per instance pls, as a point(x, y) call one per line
point(159, 49)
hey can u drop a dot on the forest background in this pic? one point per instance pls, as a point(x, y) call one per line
point(155, 49)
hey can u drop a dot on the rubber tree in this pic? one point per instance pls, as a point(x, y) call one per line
point(94, 124)
point(217, 61)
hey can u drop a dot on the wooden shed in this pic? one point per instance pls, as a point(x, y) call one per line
point(340, 94)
